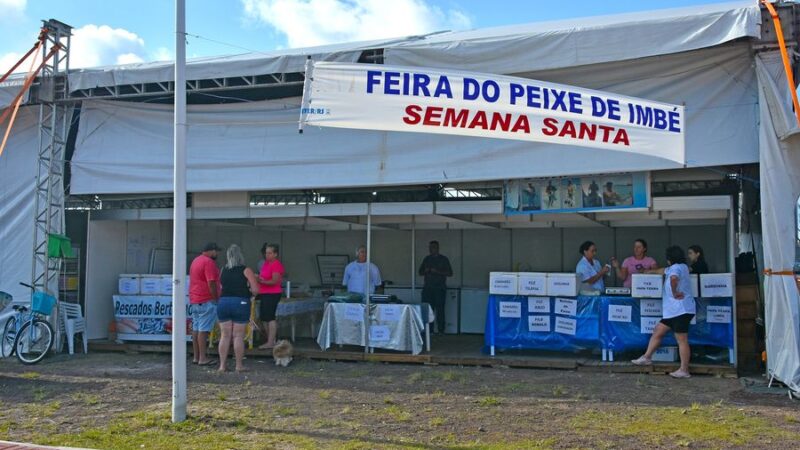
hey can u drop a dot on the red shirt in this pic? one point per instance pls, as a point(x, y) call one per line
point(202, 270)
point(269, 268)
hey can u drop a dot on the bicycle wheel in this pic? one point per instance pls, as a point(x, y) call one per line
point(8, 337)
point(33, 344)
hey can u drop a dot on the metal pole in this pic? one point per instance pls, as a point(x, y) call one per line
point(413, 260)
point(179, 223)
point(368, 289)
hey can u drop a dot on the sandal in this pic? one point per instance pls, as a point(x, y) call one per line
point(210, 362)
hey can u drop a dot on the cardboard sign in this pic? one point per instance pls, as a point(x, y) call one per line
point(379, 333)
point(532, 283)
point(510, 310)
point(566, 306)
point(503, 283)
point(619, 313)
point(716, 285)
point(539, 305)
point(565, 284)
point(649, 324)
point(539, 324)
point(718, 314)
point(651, 307)
point(646, 285)
point(566, 326)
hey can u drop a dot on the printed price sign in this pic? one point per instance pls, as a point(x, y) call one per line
point(650, 307)
point(718, 314)
point(354, 313)
point(649, 324)
point(539, 305)
point(389, 313)
point(379, 333)
point(619, 313)
point(538, 324)
point(567, 306)
point(510, 310)
point(566, 326)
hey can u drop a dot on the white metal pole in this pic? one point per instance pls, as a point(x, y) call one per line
point(413, 260)
point(369, 281)
point(179, 222)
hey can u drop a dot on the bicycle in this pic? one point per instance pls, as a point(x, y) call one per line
point(25, 333)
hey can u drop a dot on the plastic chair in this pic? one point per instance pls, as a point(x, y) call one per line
point(72, 323)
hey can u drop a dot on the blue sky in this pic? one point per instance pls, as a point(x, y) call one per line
point(124, 31)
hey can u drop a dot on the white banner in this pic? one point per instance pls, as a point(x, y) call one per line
point(378, 97)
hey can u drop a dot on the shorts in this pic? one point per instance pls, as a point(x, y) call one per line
point(236, 309)
point(268, 306)
point(204, 316)
point(679, 324)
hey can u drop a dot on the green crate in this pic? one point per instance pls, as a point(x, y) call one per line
point(59, 246)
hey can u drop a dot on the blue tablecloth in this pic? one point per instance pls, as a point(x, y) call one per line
point(585, 322)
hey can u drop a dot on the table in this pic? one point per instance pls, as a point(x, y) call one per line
point(291, 308)
point(606, 323)
point(391, 326)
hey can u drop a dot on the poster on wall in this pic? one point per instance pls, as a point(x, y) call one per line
point(577, 194)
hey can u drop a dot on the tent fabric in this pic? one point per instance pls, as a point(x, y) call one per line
point(18, 166)
point(125, 147)
point(780, 188)
point(570, 43)
point(502, 50)
point(261, 63)
point(9, 89)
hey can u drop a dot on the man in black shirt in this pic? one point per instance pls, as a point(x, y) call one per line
point(435, 268)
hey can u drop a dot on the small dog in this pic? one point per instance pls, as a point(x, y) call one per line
point(282, 353)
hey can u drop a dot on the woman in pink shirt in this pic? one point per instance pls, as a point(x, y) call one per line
point(269, 293)
point(638, 263)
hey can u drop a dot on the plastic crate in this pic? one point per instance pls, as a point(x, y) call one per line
point(42, 303)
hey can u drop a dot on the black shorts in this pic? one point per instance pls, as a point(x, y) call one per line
point(678, 324)
point(268, 304)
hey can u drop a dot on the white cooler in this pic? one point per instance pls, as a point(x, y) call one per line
point(646, 285)
point(562, 284)
point(128, 284)
point(503, 283)
point(532, 283)
point(716, 285)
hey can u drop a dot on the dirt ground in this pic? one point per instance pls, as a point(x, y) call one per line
point(115, 400)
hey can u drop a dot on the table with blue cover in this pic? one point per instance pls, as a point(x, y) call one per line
point(632, 329)
point(543, 323)
point(606, 323)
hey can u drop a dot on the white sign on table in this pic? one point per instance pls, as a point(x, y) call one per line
point(649, 324)
point(718, 314)
point(389, 313)
point(510, 310)
point(567, 306)
point(354, 312)
point(379, 333)
point(650, 307)
point(538, 324)
point(566, 326)
point(539, 305)
point(422, 100)
point(619, 313)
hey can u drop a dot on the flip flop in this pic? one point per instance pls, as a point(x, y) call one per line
point(210, 362)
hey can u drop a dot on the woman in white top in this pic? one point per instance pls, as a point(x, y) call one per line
point(590, 271)
point(678, 311)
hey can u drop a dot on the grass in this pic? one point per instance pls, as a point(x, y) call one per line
point(558, 390)
point(285, 411)
point(489, 401)
point(698, 425)
point(30, 375)
point(437, 421)
point(39, 394)
point(87, 399)
point(395, 413)
point(325, 394)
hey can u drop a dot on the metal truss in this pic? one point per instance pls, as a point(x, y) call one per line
point(53, 128)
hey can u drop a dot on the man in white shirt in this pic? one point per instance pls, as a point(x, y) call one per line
point(355, 274)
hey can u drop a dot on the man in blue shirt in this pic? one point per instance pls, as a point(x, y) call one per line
point(355, 274)
point(435, 268)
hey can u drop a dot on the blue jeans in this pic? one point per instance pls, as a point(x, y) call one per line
point(236, 309)
point(204, 316)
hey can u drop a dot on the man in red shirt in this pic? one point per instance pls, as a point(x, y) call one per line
point(204, 291)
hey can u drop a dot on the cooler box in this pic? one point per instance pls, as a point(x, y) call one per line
point(166, 285)
point(646, 285)
point(716, 285)
point(150, 285)
point(503, 283)
point(695, 285)
point(532, 283)
point(128, 284)
point(562, 284)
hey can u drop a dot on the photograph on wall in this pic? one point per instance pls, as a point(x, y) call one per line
point(571, 193)
point(551, 194)
point(530, 196)
point(592, 197)
point(511, 196)
point(617, 191)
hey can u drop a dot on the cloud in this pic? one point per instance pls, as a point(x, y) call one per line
point(162, 54)
point(316, 22)
point(102, 45)
point(12, 8)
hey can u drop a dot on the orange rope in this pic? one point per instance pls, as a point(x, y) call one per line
point(18, 99)
point(36, 46)
point(787, 65)
point(788, 273)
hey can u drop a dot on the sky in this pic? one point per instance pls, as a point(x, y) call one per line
point(108, 32)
